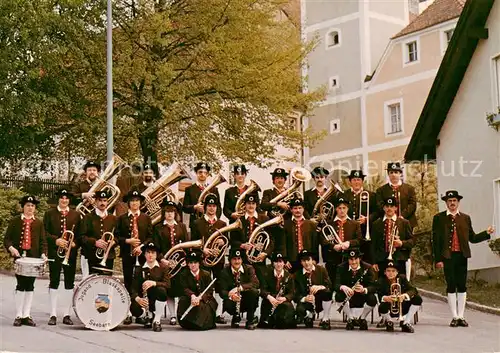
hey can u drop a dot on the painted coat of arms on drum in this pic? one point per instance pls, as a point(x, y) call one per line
point(102, 303)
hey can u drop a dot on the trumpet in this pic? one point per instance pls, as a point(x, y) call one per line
point(178, 255)
point(260, 239)
point(397, 304)
point(364, 198)
point(240, 204)
point(299, 176)
point(63, 252)
point(219, 179)
point(102, 254)
point(218, 243)
point(393, 236)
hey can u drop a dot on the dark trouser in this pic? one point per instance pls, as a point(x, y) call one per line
point(320, 297)
point(455, 273)
point(283, 316)
point(400, 265)
point(128, 265)
point(384, 307)
point(201, 317)
point(249, 302)
point(358, 300)
point(331, 268)
point(109, 265)
point(216, 270)
point(25, 284)
point(69, 273)
point(365, 248)
point(154, 294)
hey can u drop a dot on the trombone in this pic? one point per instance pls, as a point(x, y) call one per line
point(364, 198)
point(64, 252)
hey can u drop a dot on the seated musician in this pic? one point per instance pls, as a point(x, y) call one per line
point(149, 289)
point(166, 235)
point(408, 297)
point(356, 280)
point(239, 289)
point(277, 290)
point(313, 292)
point(194, 282)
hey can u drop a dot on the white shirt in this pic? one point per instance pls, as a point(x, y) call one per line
point(195, 274)
point(208, 219)
point(338, 219)
point(254, 214)
point(304, 270)
point(148, 184)
point(281, 274)
point(130, 213)
point(63, 209)
point(239, 270)
point(297, 219)
point(448, 212)
point(398, 184)
point(357, 192)
point(173, 223)
point(394, 218)
point(355, 269)
point(23, 217)
point(201, 185)
point(154, 265)
point(100, 213)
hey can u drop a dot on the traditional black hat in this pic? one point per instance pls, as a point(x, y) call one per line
point(236, 253)
point(279, 172)
point(64, 192)
point(193, 256)
point(394, 167)
point(451, 194)
point(210, 199)
point(29, 198)
point(147, 167)
point(133, 194)
point(319, 171)
point(356, 173)
point(103, 194)
point(202, 165)
point(390, 263)
point(240, 168)
point(296, 202)
point(166, 202)
point(252, 197)
point(341, 201)
point(353, 253)
point(390, 201)
point(278, 257)
point(92, 164)
point(305, 253)
point(151, 246)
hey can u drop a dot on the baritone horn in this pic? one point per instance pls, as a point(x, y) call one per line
point(217, 244)
point(240, 203)
point(177, 255)
point(364, 199)
point(260, 239)
point(219, 179)
point(63, 252)
point(299, 176)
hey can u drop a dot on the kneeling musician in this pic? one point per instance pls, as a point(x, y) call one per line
point(355, 288)
point(149, 289)
point(239, 289)
point(277, 290)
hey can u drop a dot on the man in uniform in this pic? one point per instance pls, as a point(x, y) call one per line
point(356, 281)
point(279, 176)
point(320, 175)
point(451, 233)
point(57, 221)
point(194, 282)
point(25, 237)
point(233, 193)
point(148, 179)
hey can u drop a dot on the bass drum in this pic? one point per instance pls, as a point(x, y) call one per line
point(101, 302)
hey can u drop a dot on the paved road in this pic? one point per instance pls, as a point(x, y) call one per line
point(432, 334)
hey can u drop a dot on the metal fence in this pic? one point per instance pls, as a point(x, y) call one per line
point(36, 186)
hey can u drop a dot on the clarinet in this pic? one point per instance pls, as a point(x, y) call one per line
point(280, 294)
point(348, 297)
point(238, 303)
point(309, 288)
point(145, 293)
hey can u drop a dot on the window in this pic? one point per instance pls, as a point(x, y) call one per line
point(393, 117)
point(412, 51)
point(448, 34)
point(291, 123)
point(496, 80)
point(334, 126)
point(334, 82)
point(332, 38)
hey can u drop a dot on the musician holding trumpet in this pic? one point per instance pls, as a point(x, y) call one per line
point(25, 237)
point(62, 229)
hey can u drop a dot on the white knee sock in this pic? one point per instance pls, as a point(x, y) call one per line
point(84, 264)
point(19, 299)
point(452, 303)
point(218, 299)
point(159, 307)
point(53, 293)
point(366, 310)
point(462, 299)
point(411, 313)
point(68, 302)
point(347, 311)
point(326, 310)
point(28, 299)
point(171, 307)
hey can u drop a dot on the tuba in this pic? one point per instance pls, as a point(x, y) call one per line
point(392, 237)
point(102, 254)
point(396, 306)
point(156, 193)
point(214, 245)
point(178, 255)
point(299, 176)
point(364, 198)
point(260, 239)
point(323, 208)
point(240, 205)
point(64, 252)
point(219, 179)
point(102, 183)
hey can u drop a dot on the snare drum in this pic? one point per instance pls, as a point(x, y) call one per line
point(101, 302)
point(29, 267)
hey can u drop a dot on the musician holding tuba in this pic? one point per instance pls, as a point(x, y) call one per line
point(232, 194)
point(167, 234)
point(133, 229)
point(192, 204)
point(279, 177)
point(148, 179)
point(62, 228)
point(398, 298)
point(98, 235)
point(392, 238)
point(338, 237)
point(355, 288)
point(202, 229)
point(311, 196)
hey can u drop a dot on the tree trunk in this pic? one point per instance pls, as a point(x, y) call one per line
point(148, 140)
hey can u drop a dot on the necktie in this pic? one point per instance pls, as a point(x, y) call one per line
point(26, 234)
point(298, 232)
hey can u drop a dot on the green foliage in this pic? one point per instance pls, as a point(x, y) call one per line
point(495, 246)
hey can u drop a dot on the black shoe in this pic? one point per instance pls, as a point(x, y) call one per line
point(255, 320)
point(52, 320)
point(67, 320)
point(173, 321)
point(18, 321)
point(220, 320)
point(454, 323)
point(309, 322)
point(28, 321)
point(140, 320)
point(381, 323)
point(407, 328)
point(355, 322)
point(363, 325)
point(463, 323)
point(325, 325)
point(128, 320)
point(263, 324)
point(389, 326)
point(148, 322)
point(250, 326)
point(156, 326)
point(350, 324)
point(235, 321)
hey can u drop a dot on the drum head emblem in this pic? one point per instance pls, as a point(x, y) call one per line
point(102, 303)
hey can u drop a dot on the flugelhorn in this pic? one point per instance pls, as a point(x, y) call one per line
point(218, 243)
point(64, 252)
point(330, 235)
point(177, 255)
point(299, 176)
point(260, 239)
point(219, 179)
point(103, 254)
point(396, 305)
point(240, 203)
point(364, 198)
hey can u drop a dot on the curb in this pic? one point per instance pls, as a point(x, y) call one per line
point(470, 305)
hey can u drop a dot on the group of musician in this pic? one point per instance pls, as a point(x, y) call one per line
point(365, 241)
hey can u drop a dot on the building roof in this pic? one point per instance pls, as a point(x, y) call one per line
point(438, 12)
point(468, 32)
